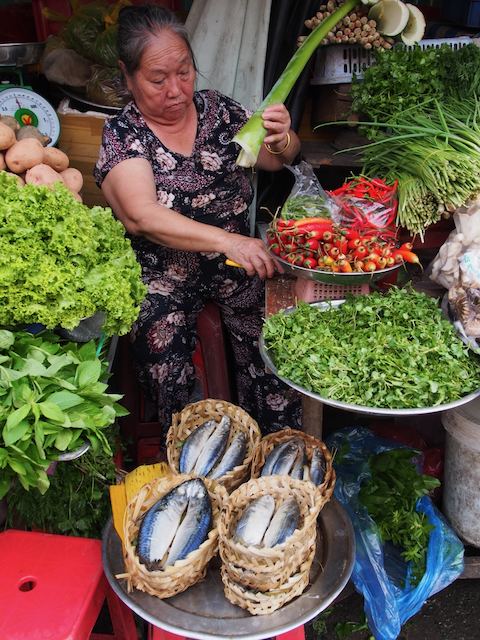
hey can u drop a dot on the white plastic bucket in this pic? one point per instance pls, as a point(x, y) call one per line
point(461, 485)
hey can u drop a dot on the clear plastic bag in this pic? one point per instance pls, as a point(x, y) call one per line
point(380, 571)
point(307, 198)
point(367, 205)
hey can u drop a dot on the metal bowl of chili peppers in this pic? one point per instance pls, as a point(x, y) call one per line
point(358, 247)
point(330, 277)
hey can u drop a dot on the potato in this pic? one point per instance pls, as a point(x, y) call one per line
point(29, 131)
point(76, 195)
point(7, 137)
point(10, 122)
point(3, 164)
point(73, 179)
point(42, 174)
point(21, 181)
point(55, 158)
point(24, 154)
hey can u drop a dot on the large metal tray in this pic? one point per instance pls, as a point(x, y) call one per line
point(203, 611)
point(346, 406)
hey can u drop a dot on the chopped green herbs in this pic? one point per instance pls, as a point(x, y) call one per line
point(392, 351)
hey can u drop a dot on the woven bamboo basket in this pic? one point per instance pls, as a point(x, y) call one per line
point(263, 602)
point(184, 573)
point(263, 568)
point(270, 441)
point(195, 414)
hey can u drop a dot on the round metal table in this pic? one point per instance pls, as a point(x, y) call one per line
point(203, 612)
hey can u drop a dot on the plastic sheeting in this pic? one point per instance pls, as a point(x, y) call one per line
point(229, 41)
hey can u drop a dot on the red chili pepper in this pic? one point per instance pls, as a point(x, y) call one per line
point(299, 259)
point(310, 263)
point(352, 234)
point(334, 252)
point(311, 244)
point(275, 248)
point(285, 224)
point(353, 243)
point(345, 266)
point(342, 244)
point(290, 257)
point(390, 261)
point(369, 265)
point(360, 252)
point(408, 256)
point(406, 246)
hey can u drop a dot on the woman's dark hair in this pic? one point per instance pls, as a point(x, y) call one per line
point(137, 26)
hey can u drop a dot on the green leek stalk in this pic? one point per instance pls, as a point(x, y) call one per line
point(251, 135)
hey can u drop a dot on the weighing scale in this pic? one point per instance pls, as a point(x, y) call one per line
point(20, 101)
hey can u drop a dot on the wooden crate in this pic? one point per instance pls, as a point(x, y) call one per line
point(80, 138)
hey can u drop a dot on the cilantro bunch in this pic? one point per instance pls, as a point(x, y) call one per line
point(403, 78)
point(61, 261)
point(51, 400)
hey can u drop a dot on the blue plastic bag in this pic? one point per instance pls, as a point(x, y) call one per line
point(379, 572)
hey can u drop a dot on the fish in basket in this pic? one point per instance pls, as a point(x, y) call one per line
point(170, 533)
point(267, 541)
point(213, 439)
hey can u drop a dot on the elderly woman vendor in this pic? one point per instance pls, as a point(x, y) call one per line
point(167, 169)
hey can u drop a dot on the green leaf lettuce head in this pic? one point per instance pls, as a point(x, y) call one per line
point(61, 261)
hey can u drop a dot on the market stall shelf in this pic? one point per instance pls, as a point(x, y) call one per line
point(203, 612)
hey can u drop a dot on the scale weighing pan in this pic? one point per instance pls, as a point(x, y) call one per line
point(203, 612)
point(20, 54)
point(346, 406)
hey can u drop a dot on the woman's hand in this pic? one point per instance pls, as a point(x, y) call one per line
point(252, 254)
point(276, 119)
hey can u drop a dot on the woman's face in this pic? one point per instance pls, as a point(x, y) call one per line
point(163, 86)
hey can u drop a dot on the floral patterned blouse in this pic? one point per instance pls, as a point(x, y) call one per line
point(207, 186)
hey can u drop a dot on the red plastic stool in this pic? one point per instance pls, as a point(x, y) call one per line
point(53, 587)
point(155, 633)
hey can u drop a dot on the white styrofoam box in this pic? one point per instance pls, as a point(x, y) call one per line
point(336, 63)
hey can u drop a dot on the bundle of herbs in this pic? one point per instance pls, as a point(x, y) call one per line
point(77, 502)
point(391, 496)
point(52, 400)
point(392, 351)
point(434, 153)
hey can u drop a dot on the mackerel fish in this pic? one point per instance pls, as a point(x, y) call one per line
point(273, 456)
point(286, 460)
point(196, 524)
point(213, 449)
point(193, 445)
point(283, 523)
point(159, 525)
point(318, 467)
point(254, 521)
point(233, 456)
point(300, 469)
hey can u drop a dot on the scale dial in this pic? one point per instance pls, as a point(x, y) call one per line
point(27, 107)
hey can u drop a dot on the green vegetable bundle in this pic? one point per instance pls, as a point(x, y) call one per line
point(61, 261)
point(390, 497)
point(392, 351)
point(51, 401)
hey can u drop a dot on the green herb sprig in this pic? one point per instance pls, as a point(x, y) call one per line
point(51, 400)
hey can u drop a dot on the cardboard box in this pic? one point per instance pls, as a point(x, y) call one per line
point(80, 138)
